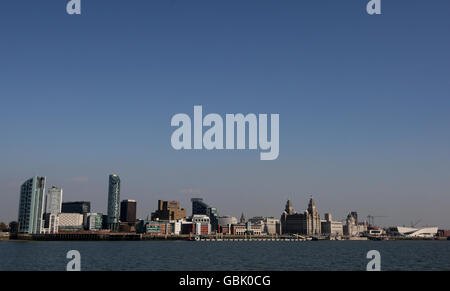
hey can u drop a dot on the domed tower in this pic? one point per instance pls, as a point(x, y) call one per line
point(313, 219)
point(312, 207)
point(242, 220)
point(289, 208)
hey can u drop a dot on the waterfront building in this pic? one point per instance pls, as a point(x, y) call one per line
point(31, 206)
point(127, 227)
point(200, 207)
point(239, 229)
point(307, 223)
point(224, 229)
point(128, 211)
point(254, 228)
point(249, 228)
point(352, 228)
point(354, 214)
point(291, 222)
point(313, 219)
point(332, 228)
point(159, 227)
point(156, 227)
point(81, 207)
point(202, 224)
point(199, 225)
point(242, 219)
point(113, 202)
point(269, 225)
point(54, 200)
point(169, 210)
point(413, 232)
point(444, 233)
point(105, 221)
point(93, 221)
point(272, 226)
point(51, 223)
point(187, 227)
point(227, 220)
point(70, 221)
point(175, 226)
point(53, 208)
point(363, 227)
point(256, 220)
point(140, 225)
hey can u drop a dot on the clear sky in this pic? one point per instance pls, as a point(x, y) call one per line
point(363, 101)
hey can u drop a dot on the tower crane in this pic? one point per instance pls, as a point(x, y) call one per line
point(371, 219)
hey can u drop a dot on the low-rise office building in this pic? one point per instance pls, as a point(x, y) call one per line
point(239, 229)
point(176, 227)
point(157, 228)
point(202, 224)
point(254, 229)
point(93, 221)
point(269, 225)
point(70, 221)
point(199, 225)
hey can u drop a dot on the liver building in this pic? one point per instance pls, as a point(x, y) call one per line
point(306, 223)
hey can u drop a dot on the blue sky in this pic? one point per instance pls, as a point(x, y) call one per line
point(363, 102)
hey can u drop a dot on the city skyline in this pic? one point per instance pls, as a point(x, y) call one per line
point(146, 212)
point(362, 102)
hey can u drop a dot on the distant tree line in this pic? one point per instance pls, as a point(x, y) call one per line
point(3, 227)
point(11, 227)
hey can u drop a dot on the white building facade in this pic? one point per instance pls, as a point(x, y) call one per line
point(70, 221)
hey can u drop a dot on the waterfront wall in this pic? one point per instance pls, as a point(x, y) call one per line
point(89, 236)
point(4, 235)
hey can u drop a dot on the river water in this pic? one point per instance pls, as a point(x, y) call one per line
point(229, 256)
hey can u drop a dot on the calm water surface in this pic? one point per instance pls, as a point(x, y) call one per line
point(239, 256)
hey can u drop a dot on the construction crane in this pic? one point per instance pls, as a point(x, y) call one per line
point(371, 219)
point(413, 225)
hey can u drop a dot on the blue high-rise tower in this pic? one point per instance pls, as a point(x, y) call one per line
point(114, 202)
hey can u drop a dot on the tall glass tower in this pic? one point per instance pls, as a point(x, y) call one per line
point(53, 208)
point(113, 202)
point(31, 206)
